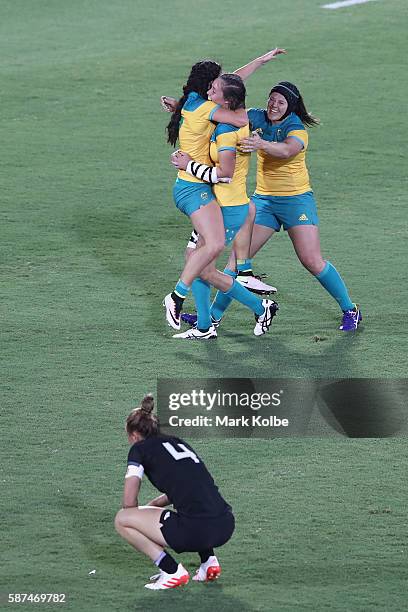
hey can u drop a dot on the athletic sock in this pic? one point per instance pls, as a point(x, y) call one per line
point(166, 563)
point(331, 280)
point(201, 292)
point(244, 267)
point(179, 301)
point(245, 297)
point(181, 289)
point(206, 554)
point(222, 301)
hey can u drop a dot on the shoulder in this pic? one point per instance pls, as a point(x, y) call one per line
point(226, 136)
point(225, 128)
point(293, 122)
point(193, 102)
point(257, 117)
point(135, 453)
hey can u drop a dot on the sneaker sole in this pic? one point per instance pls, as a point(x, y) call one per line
point(171, 321)
point(213, 573)
point(258, 291)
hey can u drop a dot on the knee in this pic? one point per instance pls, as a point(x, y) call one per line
point(216, 247)
point(312, 263)
point(118, 522)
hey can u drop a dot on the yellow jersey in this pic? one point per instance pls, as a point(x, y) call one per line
point(226, 138)
point(276, 176)
point(195, 131)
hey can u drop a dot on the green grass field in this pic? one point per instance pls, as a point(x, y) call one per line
point(91, 242)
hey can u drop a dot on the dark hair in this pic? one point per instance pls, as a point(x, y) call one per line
point(233, 90)
point(295, 102)
point(142, 420)
point(201, 76)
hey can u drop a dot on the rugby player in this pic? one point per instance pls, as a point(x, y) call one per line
point(201, 520)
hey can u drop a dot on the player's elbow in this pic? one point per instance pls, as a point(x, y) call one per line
point(225, 171)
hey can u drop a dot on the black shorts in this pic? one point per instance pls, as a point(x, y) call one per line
point(187, 534)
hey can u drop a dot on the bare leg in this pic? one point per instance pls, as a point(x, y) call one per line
point(217, 279)
point(209, 224)
point(306, 242)
point(141, 528)
point(260, 236)
point(242, 241)
point(307, 246)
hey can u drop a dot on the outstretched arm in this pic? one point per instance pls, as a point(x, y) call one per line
point(288, 148)
point(237, 118)
point(256, 63)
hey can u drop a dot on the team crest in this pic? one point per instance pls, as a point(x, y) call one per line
point(204, 195)
point(303, 218)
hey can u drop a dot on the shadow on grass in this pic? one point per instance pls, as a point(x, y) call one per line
point(194, 597)
point(277, 358)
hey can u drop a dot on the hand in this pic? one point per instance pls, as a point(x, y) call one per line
point(180, 160)
point(253, 143)
point(271, 54)
point(168, 104)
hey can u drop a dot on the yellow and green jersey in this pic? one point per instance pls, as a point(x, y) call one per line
point(195, 131)
point(276, 176)
point(226, 138)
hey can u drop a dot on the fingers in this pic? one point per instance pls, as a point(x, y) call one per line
point(274, 52)
point(174, 158)
point(165, 106)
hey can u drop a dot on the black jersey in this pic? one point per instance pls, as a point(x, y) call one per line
point(174, 468)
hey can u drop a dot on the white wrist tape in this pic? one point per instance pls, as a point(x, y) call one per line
point(202, 172)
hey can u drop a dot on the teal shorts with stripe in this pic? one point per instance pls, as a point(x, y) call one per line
point(234, 218)
point(189, 196)
point(286, 211)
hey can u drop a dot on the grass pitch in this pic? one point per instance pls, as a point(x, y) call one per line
point(90, 244)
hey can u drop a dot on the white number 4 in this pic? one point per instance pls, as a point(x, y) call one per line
point(184, 454)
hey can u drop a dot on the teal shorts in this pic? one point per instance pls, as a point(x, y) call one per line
point(190, 197)
point(275, 211)
point(234, 218)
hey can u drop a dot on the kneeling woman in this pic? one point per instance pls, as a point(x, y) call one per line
point(202, 519)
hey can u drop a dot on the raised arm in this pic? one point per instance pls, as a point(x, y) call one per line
point(256, 63)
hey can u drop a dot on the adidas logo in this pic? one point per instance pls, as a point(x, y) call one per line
point(303, 218)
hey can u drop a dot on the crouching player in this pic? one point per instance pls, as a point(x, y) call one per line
point(201, 521)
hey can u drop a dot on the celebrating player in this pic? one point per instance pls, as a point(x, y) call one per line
point(194, 197)
point(283, 195)
point(202, 519)
point(227, 90)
